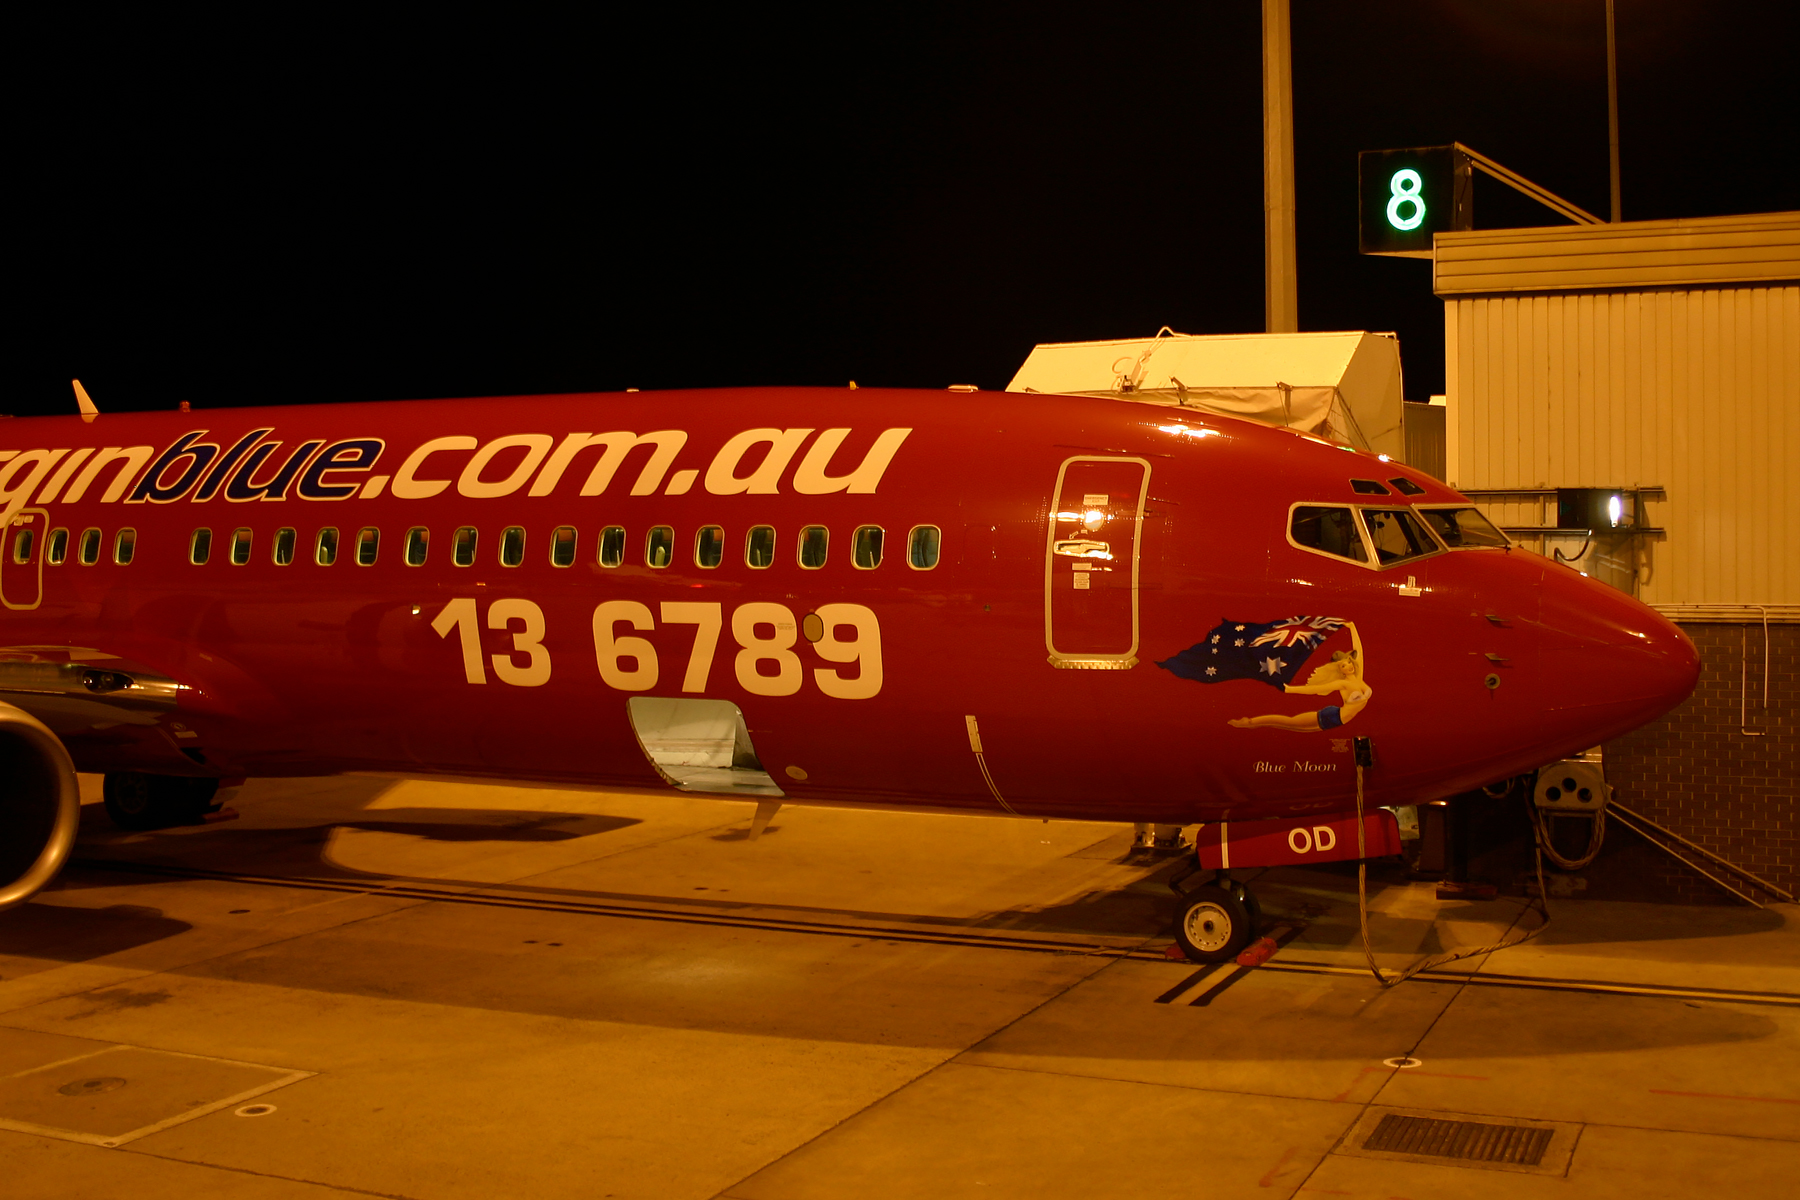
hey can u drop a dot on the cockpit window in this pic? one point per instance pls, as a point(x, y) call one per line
point(1367, 487)
point(1406, 487)
point(1398, 535)
point(1461, 528)
point(1330, 531)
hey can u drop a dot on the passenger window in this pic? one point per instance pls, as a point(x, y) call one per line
point(922, 547)
point(709, 546)
point(562, 546)
point(418, 545)
point(612, 546)
point(240, 547)
point(659, 546)
point(512, 546)
point(1407, 487)
point(57, 548)
point(1461, 528)
point(1397, 535)
point(759, 546)
point(865, 547)
point(1367, 487)
point(124, 546)
point(368, 545)
point(284, 546)
point(200, 547)
point(22, 543)
point(89, 553)
point(462, 549)
point(813, 543)
point(326, 548)
point(1331, 530)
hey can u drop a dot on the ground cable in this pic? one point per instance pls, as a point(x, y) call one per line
point(1389, 979)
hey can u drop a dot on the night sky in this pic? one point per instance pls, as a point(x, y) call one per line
point(300, 206)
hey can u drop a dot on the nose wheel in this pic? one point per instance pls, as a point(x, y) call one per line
point(1216, 922)
point(1247, 898)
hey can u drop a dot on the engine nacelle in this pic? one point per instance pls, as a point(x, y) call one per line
point(40, 805)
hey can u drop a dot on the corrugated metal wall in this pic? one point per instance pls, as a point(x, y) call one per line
point(1691, 253)
point(1696, 391)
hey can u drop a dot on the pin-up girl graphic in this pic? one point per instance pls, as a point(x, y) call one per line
point(1342, 676)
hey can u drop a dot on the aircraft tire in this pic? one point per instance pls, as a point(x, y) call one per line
point(1213, 925)
point(137, 801)
point(1247, 898)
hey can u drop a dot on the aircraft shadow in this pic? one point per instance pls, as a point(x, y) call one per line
point(270, 846)
point(70, 934)
point(432, 825)
point(1322, 897)
point(1280, 1017)
point(290, 824)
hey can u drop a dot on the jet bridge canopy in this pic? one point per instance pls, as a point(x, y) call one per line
point(1343, 386)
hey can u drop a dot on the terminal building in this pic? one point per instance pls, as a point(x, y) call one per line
point(1627, 397)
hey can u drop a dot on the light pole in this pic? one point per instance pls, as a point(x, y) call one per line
point(1281, 303)
point(1612, 108)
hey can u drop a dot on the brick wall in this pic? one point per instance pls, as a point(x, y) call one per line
point(1696, 773)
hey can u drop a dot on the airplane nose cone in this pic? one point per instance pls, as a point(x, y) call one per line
point(1612, 661)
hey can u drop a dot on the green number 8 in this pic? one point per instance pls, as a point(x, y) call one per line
point(1406, 186)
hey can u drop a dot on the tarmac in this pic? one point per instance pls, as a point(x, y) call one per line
point(364, 987)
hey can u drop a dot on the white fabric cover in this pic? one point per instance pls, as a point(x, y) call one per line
point(1343, 386)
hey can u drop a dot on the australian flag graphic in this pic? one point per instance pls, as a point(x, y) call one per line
point(1272, 651)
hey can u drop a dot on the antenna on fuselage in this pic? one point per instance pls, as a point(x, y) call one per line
point(84, 402)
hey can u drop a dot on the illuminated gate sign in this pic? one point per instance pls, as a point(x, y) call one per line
point(1410, 195)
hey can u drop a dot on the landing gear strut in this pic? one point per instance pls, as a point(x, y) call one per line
point(1156, 841)
point(138, 801)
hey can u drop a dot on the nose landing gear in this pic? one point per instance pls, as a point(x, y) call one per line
point(1217, 919)
point(1221, 917)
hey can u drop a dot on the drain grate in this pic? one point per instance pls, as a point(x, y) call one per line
point(1470, 1141)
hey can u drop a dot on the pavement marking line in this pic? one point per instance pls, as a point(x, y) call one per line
point(283, 1077)
point(380, 891)
point(1450, 1075)
point(1268, 1179)
point(1413, 1072)
point(1553, 984)
point(1721, 1096)
point(1528, 980)
point(1360, 1076)
point(492, 897)
point(59, 1063)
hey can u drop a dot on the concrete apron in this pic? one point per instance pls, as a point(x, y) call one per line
point(433, 990)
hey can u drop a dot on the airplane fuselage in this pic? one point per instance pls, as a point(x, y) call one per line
point(1011, 608)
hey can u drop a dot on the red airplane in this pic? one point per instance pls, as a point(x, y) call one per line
point(1030, 606)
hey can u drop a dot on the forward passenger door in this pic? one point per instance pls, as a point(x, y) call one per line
point(22, 559)
point(1091, 562)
